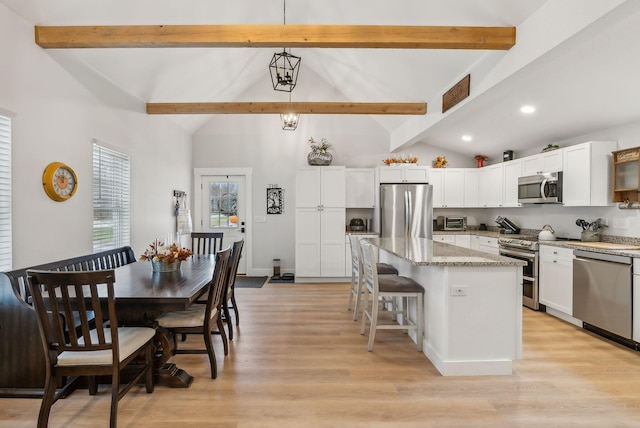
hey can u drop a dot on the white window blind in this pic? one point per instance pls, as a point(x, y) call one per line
point(111, 198)
point(5, 194)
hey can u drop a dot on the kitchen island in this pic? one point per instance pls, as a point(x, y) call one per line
point(472, 304)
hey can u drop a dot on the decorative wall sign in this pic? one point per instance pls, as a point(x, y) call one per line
point(457, 93)
point(275, 199)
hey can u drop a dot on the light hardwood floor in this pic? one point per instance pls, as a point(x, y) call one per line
point(298, 360)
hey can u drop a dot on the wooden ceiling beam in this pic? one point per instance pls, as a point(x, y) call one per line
point(288, 107)
point(274, 36)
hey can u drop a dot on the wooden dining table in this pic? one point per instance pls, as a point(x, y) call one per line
point(141, 295)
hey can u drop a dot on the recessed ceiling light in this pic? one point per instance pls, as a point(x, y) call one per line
point(467, 138)
point(527, 109)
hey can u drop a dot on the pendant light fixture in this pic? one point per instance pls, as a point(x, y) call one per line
point(284, 66)
point(289, 120)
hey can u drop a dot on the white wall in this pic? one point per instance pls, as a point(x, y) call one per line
point(55, 118)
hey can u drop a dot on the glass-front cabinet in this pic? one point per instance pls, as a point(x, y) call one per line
point(626, 176)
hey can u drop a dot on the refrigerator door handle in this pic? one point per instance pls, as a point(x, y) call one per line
point(408, 209)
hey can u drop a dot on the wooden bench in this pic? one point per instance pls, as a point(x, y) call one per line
point(22, 364)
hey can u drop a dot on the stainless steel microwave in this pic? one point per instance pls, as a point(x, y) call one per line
point(545, 188)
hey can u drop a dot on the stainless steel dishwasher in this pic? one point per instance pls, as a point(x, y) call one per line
point(602, 292)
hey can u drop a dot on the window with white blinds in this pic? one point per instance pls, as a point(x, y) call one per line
point(5, 193)
point(111, 198)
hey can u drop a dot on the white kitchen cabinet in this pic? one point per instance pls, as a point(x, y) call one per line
point(488, 245)
point(555, 278)
point(320, 185)
point(511, 170)
point(360, 187)
point(586, 174)
point(471, 197)
point(475, 242)
point(490, 186)
point(403, 174)
point(448, 187)
point(543, 162)
point(458, 240)
point(320, 222)
point(447, 239)
point(635, 331)
point(463, 241)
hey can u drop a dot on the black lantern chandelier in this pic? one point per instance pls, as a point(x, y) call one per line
point(284, 67)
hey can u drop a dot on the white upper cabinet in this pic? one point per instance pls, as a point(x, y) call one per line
point(544, 162)
point(360, 188)
point(403, 174)
point(448, 187)
point(471, 197)
point(490, 185)
point(511, 170)
point(586, 174)
point(320, 186)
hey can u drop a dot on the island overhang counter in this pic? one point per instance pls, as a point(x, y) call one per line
point(472, 304)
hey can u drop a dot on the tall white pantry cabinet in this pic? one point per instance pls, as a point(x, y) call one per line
point(320, 222)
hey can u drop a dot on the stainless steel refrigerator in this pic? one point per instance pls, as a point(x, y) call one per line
point(406, 211)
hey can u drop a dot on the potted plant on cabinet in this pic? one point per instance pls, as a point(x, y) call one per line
point(319, 154)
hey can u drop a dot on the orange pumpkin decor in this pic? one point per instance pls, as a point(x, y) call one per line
point(233, 219)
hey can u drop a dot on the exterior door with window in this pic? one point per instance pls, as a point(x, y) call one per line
point(223, 209)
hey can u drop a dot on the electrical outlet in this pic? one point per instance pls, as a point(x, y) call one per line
point(458, 290)
point(260, 219)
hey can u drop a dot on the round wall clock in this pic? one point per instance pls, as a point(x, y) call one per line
point(60, 181)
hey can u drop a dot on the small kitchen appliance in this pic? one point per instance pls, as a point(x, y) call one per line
point(357, 225)
point(547, 233)
point(451, 223)
point(543, 188)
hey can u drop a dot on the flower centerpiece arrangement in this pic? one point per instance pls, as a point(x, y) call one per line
point(440, 162)
point(402, 159)
point(319, 154)
point(165, 258)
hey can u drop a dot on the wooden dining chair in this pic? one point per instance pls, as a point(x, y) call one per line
point(229, 300)
point(202, 318)
point(389, 287)
point(101, 350)
point(206, 242)
point(355, 291)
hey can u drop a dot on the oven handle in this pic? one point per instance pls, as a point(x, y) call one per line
point(508, 252)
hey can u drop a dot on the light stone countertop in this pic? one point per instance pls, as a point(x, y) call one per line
point(426, 252)
point(559, 243)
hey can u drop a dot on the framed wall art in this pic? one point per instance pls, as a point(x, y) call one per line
point(275, 200)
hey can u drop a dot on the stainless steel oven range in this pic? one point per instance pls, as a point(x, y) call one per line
point(525, 249)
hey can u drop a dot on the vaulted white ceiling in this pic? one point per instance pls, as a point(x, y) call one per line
point(575, 60)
